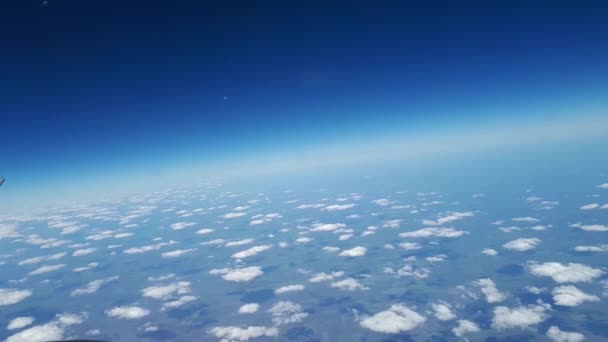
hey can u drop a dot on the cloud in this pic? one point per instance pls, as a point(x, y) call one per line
point(571, 296)
point(570, 273)
point(603, 186)
point(409, 271)
point(182, 225)
point(177, 253)
point(489, 252)
point(331, 249)
point(303, 239)
point(249, 308)
point(310, 206)
point(524, 244)
point(53, 330)
point(88, 267)
point(348, 284)
point(398, 318)
point(205, 231)
point(436, 258)
point(285, 312)
point(234, 215)
point(94, 286)
point(392, 223)
point(591, 227)
point(326, 227)
point(410, 246)
point(238, 334)
point(383, 202)
point(239, 242)
point(520, 317)
point(127, 312)
point(433, 232)
point(590, 206)
point(86, 251)
point(488, 288)
point(319, 277)
point(465, 327)
point(178, 302)
point(598, 248)
point(526, 219)
point(213, 242)
point(345, 237)
point(38, 259)
point(20, 322)
point(148, 248)
point(557, 335)
point(46, 269)
point(289, 288)
point(239, 274)
point(339, 207)
point(162, 277)
point(8, 231)
point(354, 252)
point(443, 312)
point(166, 291)
point(448, 217)
point(255, 250)
point(11, 296)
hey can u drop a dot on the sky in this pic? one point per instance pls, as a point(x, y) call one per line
point(102, 90)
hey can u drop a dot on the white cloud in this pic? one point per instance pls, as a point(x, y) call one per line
point(526, 219)
point(319, 277)
point(148, 248)
point(590, 206)
point(392, 223)
point(249, 308)
point(524, 244)
point(348, 284)
point(443, 312)
point(598, 248)
point(309, 206)
point(239, 242)
point(289, 288)
point(213, 242)
point(535, 290)
point(433, 232)
point(603, 186)
point(46, 269)
point(234, 215)
point(383, 202)
point(238, 334)
point(177, 253)
point(46, 332)
point(570, 295)
point(239, 274)
point(354, 252)
point(448, 217)
point(8, 231)
point(345, 237)
point(570, 273)
point(557, 335)
point(88, 267)
point(127, 312)
point(94, 286)
point(326, 227)
point(331, 249)
point(205, 231)
point(409, 271)
point(20, 322)
point(38, 259)
point(162, 277)
point(520, 317)
point(465, 327)
point(166, 291)
point(410, 246)
point(255, 250)
point(339, 207)
point(182, 225)
point(86, 251)
point(303, 239)
point(591, 227)
point(285, 312)
point(436, 258)
point(489, 252)
point(178, 302)
point(488, 288)
point(398, 318)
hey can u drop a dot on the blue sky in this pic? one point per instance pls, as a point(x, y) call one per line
point(105, 90)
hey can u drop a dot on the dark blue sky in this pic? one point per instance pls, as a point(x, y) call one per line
point(88, 86)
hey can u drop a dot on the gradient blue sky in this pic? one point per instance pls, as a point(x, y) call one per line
point(94, 89)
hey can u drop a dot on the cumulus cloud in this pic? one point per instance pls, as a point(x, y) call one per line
point(570, 273)
point(183, 300)
point(409, 271)
point(489, 252)
point(11, 296)
point(47, 269)
point(239, 274)
point(166, 291)
point(398, 318)
point(289, 288)
point(309, 206)
point(303, 239)
point(255, 250)
point(8, 231)
point(177, 253)
point(603, 186)
point(465, 327)
point(326, 227)
point(488, 288)
point(238, 334)
point(86, 251)
point(433, 232)
point(127, 312)
point(448, 217)
point(598, 248)
point(524, 244)
point(182, 225)
point(590, 206)
point(205, 231)
point(519, 317)
point(234, 215)
point(339, 207)
point(319, 277)
point(443, 312)
point(348, 284)
point(53, 330)
point(591, 227)
point(557, 335)
point(410, 246)
point(383, 202)
point(570, 295)
point(286, 312)
point(148, 248)
point(249, 308)
point(94, 286)
point(354, 252)
point(526, 219)
point(20, 322)
point(239, 242)
point(38, 259)
point(331, 249)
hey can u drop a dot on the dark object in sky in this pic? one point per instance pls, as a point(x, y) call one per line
point(1, 181)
